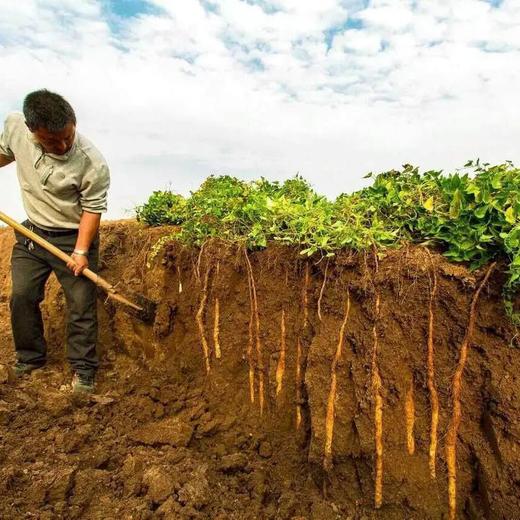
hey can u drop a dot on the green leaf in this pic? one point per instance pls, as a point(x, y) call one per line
point(456, 204)
point(428, 205)
point(510, 215)
point(481, 211)
point(496, 182)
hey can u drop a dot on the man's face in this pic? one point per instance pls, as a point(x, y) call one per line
point(57, 143)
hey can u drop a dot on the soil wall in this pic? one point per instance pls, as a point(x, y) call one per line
point(254, 392)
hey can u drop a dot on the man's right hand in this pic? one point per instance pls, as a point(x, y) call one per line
point(5, 160)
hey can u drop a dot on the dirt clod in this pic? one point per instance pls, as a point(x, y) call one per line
point(159, 482)
point(196, 490)
point(61, 484)
point(174, 431)
point(132, 475)
point(265, 450)
point(168, 509)
point(233, 462)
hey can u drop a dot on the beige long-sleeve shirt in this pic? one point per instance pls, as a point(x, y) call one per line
point(56, 189)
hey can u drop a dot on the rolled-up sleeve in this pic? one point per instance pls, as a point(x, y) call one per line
point(4, 141)
point(94, 189)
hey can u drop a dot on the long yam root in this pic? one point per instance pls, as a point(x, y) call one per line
point(280, 369)
point(451, 437)
point(200, 321)
point(258, 343)
point(410, 419)
point(216, 323)
point(378, 419)
point(199, 261)
point(331, 402)
point(216, 330)
point(250, 358)
point(322, 290)
point(378, 413)
point(180, 280)
point(434, 398)
point(298, 384)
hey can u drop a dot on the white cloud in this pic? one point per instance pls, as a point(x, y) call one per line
point(357, 40)
point(330, 89)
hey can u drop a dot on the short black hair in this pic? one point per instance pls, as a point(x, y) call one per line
point(46, 109)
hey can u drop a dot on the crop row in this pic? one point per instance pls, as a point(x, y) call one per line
point(473, 215)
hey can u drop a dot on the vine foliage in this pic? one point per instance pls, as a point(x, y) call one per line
point(473, 215)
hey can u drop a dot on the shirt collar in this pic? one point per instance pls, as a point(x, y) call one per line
point(64, 157)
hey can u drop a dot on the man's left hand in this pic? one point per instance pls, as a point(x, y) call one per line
point(78, 264)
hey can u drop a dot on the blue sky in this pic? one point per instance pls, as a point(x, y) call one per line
point(172, 91)
point(130, 8)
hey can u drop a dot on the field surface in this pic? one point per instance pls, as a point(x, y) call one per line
point(271, 385)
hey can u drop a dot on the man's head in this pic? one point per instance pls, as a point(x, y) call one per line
point(51, 119)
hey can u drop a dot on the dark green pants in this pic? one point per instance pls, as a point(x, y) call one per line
point(31, 266)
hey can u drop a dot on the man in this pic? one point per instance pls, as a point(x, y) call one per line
point(64, 182)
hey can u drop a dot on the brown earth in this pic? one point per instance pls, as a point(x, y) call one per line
point(164, 438)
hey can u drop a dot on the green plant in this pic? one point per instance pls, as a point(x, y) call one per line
point(163, 207)
point(473, 215)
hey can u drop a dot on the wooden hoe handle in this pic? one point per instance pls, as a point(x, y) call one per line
point(91, 275)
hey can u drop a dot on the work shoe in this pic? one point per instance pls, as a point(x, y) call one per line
point(82, 383)
point(21, 369)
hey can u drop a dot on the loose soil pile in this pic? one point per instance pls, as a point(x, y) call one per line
point(270, 386)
